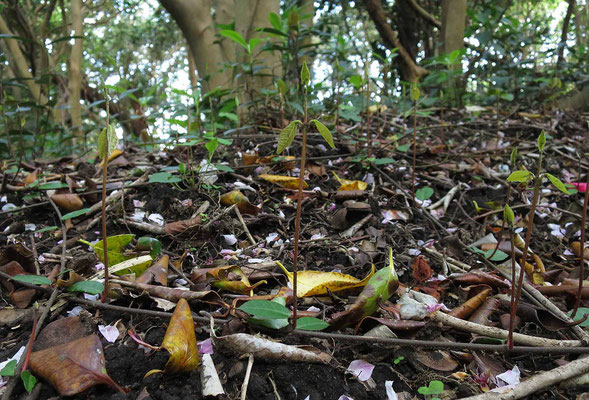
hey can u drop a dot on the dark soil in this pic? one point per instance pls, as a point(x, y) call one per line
point(470, 155)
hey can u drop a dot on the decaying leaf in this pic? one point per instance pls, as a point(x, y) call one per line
point(68, 201)
point(179, 227)
point(222, 279)
point(158, 272)
point(347, 184)
point(315, 283)
point(380, 287)
point(244, 205)
point(421, 269)
point(180, 341)
point(468, 307)
point(73, 367)
point(289, 182)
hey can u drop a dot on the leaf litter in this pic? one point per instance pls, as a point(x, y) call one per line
point(467, 189)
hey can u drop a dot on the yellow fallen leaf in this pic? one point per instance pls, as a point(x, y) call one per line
point(347, 184)
point(180, 341)
point(315, 283)
point(289, 182)
point(236, 197)
point(112, 156)
point(221, 280)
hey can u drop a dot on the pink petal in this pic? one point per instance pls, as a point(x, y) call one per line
point(361, 369)
point(581, 186)
point(205, 347)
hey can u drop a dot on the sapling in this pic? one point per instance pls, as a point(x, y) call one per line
point(414, 97)
point(107, 143)
point(525, 177)
point(284, 140)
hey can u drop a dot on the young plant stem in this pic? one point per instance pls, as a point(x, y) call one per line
point(104, 172)
point(582, 249)
point(520, 282)
point(414, 153)
point(31, 341)
point(511, 320)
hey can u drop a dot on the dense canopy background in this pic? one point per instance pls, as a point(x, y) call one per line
point(168, 62)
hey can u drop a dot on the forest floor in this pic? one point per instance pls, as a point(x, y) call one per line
point(467, 154)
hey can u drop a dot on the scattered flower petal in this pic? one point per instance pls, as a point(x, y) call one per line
point(75, 311)
point(230, 240)
point(110, 332)
point(361, 369)
point(391, 394)
point(205, 347)
point(157, 219)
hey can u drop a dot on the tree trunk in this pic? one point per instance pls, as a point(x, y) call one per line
point(75, 63)
point(565, 31)
point(196, 23)
point(452, 35)
point(410, 71)
point(251, 15)
point(20, 66)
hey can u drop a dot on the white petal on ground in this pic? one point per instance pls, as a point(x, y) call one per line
point(230, 240)
point(110, 332)
point(391, 394)
point(157, 219)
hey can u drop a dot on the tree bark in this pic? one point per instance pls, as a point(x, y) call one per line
point(196, 23)
point(565, 31)
point(75, 63)
point(251, 15)
point(413, 71)
point(20, 66)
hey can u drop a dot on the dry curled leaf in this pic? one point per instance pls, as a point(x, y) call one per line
point(289, 182)
point(180, 341)
point(347, 184)
point(158, 272)
point(315, 283)
point(244, 205)
point(68, 201)
point(73, 367)
point(421, 269)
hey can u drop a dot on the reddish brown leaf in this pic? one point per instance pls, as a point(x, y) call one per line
point(158, 272)
point(68, 201)
point(179, 227)
point(63, 331)
point(469, 306)
point(73, 367)
point(421, 269)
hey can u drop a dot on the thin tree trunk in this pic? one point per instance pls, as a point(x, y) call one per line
point(19, 64)
point(75, 64)
point(566, 22)
point(390, 39)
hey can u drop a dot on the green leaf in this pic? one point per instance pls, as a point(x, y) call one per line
point(74, 214)
point(557, 183)
point(541, 141)
point(163, 177)
point(224, 168)
point(508, 215)
point(146, 243)
point(278, 323)
point(114, 245)
point(113, 140)
point(356, 81)
point(513, 157)
point(47, 229)
point(235, 36)
point(90, 287)
point(579, 316)
point(424, 193)
point(211, 146)
point(383, 161)
point(498, 256)
point(32, 279)
point(9, 368)
point(53, 185)
point(275, 21)
point(305, 75)
point(403, 148)
point(311, 324)
point(414, 93)
point(287, 136)
point(324, 132)
point(520, 176)
point(281, 85)
point(265, 309)
point(28, 380)
point(435, 387)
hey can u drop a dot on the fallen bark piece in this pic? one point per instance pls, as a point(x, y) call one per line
point(211, 384)
point(262, 348)
point(539, 381)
